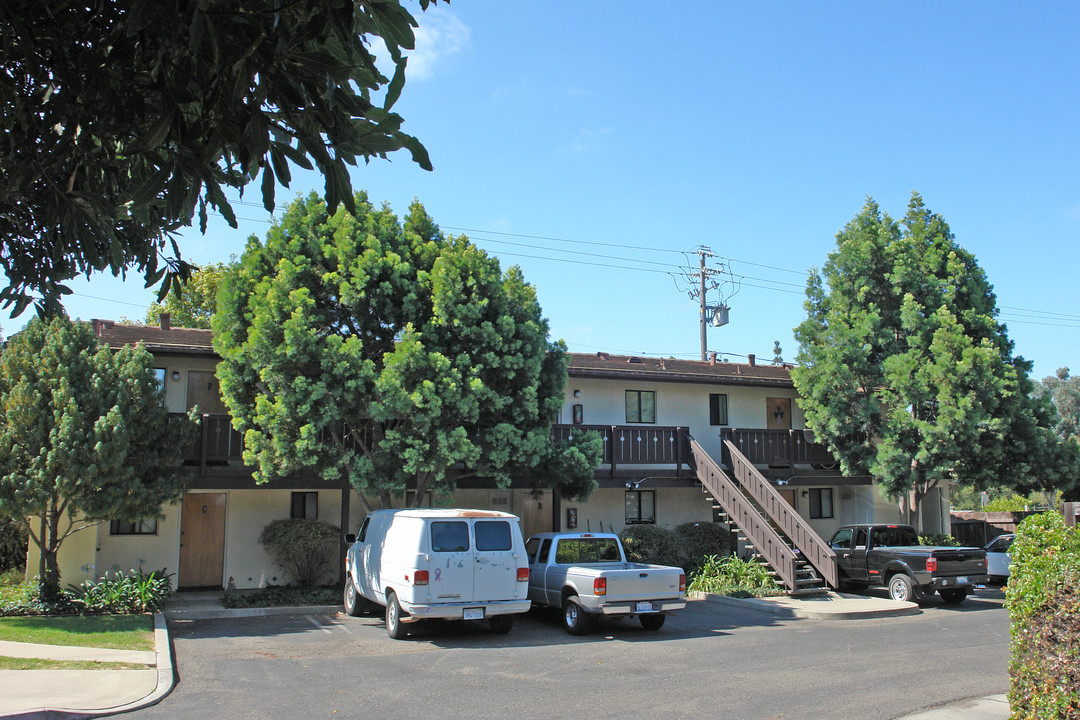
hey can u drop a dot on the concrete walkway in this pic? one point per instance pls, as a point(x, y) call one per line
point(93, 693)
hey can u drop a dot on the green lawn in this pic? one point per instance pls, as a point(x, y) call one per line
point(122, 632)
point(10, 663)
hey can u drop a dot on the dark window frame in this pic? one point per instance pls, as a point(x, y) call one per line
point(301, 505)
point(638, 517)
point(718, 410)
point(143, 526)
point(639, 408)
point(817, 510)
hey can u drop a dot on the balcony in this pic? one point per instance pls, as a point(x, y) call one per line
point(216, 442)
point(777, 448)
point(634, 444)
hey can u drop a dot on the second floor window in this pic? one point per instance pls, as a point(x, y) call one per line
point(717, 409)
point(305, 505)
point(640, 406)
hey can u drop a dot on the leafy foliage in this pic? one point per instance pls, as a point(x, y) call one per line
point(84, 436)
point(939, 540)
point(686, 546)
point(13, 543)
point(907, 375)
point(304, 548)
point(388, 354)
point(1043, 598)
point(119, 593)
point(126, 117)
point(1064, 392)
point(192, 304)
point(279, 596)
point(733, 576)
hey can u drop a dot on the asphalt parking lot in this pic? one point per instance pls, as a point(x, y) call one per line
point(707, 661)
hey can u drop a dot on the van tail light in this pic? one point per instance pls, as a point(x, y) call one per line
point(523, 574)
point(931, 564)
point(599, 586)
point(420, 577)
point(682, 582)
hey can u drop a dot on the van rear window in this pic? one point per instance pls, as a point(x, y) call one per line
point(449, 536)
point(492, 535)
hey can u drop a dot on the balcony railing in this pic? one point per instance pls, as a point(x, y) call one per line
point(776, 448)
point(216, 443)
point(634, 444)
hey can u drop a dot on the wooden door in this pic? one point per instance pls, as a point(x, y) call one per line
point(203, 390)
point(788, 495)
point(535, 514)
point(202, 541)
point(778, 413)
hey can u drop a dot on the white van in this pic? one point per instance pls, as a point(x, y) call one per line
point(434, 563)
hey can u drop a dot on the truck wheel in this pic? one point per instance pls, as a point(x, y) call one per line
point(501, 624)
point(575, 619)
point(394, 627)
point(652, 622)
point(954, 596)
point(901, 588)
point(352, 604)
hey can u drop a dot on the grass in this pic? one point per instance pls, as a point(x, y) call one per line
point(121, 632)
point(275, 596)
point(10, 663)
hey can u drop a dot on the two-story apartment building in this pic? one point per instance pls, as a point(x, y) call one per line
point(654, 415)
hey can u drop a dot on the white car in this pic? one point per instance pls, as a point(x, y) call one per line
point(997, 558)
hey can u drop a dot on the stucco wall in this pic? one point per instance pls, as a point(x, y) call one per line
point(148, 552)
point(606, 508)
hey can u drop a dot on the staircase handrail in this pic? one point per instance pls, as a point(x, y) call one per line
point(813, 548)
point(754, 525)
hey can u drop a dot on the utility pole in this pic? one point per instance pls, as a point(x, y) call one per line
point(701, 299)
point(702, 283)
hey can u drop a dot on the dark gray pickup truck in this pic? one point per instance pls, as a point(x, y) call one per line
point(890, 556)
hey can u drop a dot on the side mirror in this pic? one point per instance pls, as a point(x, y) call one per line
point(350, 538)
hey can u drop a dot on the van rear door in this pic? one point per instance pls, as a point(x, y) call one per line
point(450, 572)
point(496, 560)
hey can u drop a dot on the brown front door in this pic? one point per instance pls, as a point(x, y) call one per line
point(778, 413)
point(202, 541)
point(202, 390)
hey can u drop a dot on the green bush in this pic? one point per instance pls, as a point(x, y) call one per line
point(13, 541)
point(304, 549)
point(279, 596)
point(117, 593)
point(655, 544)
point(939, 540)
point(733, 576)
point(703, 539)
point(1044, 610)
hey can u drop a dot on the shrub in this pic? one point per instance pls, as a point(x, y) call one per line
point(733, 576)
point(655, 544)
point(304, 549)
point(1044, 610)
point(277, 596)
point(137, 592)
point(939, 540)
point(13, 540)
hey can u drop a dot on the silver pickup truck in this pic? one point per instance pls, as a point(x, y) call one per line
point(587, 574)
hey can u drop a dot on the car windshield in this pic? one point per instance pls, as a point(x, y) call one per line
point(895, 537)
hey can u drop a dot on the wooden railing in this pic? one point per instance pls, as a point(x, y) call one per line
point(634, 444)
point(813, 548)
point(776, 448)
point(216, 443)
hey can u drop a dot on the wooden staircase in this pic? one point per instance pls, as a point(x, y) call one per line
point(765, 522)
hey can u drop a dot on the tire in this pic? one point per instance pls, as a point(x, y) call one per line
point(394, 627)
point(652, 622)
point(954, 596)
point(575, 619)
point(501, 624)
point(901, 588)
point(353, 607)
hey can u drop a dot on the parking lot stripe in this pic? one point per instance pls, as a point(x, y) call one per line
point(317, 624)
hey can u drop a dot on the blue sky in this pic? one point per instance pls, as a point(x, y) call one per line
point(597, 145)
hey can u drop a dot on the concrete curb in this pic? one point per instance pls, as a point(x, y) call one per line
point(787, 607)
point(165, 683)
point(197, 613)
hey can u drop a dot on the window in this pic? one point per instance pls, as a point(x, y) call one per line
point(821, 503)
point(159, 375)
point(860, 538)
point(530, 549)
point(842, 539)
point(640, 507)
point(640, 406)
point(305, 505)
point(492, 535)
point(571, 552)
point(147, 526)
point(545, 548)
point(717, 409)
point(450, 536)
point(363, 530)
point(410, 497)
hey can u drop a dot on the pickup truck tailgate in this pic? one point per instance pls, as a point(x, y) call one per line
point(959, 561)
point(634, 582)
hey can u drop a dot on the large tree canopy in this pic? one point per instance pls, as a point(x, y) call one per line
point(905, 371)
point(123, 118)
point(193, 304)
point(390, 355)
point(84, 434)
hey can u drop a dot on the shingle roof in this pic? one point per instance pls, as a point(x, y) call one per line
point(169, 340)
point(603, 365)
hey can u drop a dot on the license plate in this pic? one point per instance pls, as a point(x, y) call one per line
point(961, 581)
point(644, 607)
point(473, 614)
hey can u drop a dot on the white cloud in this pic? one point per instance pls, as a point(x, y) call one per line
point(440, 35)
point(587, 139)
